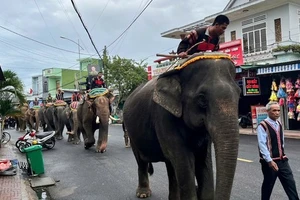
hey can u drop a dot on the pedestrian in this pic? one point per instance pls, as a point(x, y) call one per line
point(203, 39)
point(274, 162)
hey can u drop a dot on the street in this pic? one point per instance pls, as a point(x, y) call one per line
point(86, 175)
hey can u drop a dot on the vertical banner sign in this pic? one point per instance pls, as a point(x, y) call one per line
point(261, 114)
point(251, 86)
point(254, 115)
point(234, 49)
point(149, 71)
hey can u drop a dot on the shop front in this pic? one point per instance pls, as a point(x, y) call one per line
point(282, 84)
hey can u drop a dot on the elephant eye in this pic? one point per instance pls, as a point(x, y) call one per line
point(202, 101)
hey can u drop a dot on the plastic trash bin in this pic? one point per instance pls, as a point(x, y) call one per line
point(35, 159)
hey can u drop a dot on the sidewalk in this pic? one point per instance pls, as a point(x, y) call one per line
point(287, 133)
point(14, 187)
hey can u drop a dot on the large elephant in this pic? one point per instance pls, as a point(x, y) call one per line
point(48, 116)
point(42, 118)
point(176, 117)
point(71, 122)
point(87, 113)
point(58, 118)
point(32, 119)
point(21, 118)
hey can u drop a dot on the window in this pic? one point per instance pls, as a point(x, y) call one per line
point(221, 39)
point(277, 24)
point(254, 38)
point(233, 35)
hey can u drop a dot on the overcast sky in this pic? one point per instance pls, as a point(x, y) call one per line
point(46, 21)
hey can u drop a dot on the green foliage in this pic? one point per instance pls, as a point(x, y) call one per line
point(123, 74)
point(8, 108)
point(11, 92)
point(294, 48)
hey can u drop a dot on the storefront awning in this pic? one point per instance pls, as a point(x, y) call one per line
point(278, 69)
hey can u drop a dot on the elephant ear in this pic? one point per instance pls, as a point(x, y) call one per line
point(167, 93)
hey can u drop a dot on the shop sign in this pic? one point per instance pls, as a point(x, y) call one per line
point(251, 86)
point(258, 113)
point(278, 69)
point(234, 49)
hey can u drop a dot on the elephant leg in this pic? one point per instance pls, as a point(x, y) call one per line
point(173, 186)
point(88, 132)
point(126, 138)
point(204, 175)
point(76, 137)
point(103, 134)
point(143, 190)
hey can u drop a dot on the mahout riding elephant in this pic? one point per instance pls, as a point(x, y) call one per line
point(71, 122)
point(87, 112)
point(174, 118)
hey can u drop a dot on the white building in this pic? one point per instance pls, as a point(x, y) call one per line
point(270, 35)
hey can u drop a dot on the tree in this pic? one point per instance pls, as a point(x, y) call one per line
point(123, 74)
point(12, 87)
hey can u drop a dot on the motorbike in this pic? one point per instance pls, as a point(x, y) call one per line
point(245, 120)
point(45, 139)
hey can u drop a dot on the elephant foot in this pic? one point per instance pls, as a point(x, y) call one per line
point(88, 145)
point(127, 146)
point(101, 147)
point(76, 142)
point(143, 192)
point(59, 137)
point(70, 138)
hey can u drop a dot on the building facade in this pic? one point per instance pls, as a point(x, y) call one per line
point(269, 31)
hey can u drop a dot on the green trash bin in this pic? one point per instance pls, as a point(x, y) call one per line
point(35, 159)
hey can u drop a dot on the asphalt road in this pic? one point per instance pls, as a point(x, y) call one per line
point(86, 175)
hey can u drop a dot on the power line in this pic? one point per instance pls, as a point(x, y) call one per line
point(48, 45)
point(100, 14)
point(130, 23)
point(74, 6)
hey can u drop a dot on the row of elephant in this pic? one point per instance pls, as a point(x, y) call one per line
point(78, 117)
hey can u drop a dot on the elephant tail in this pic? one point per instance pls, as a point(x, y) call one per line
point(150, 168)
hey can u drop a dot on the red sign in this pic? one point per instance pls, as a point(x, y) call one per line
point(234, 49)
point(149, 71)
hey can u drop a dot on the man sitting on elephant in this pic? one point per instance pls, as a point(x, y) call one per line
point(60, 94)
point(98, 82)
point(203, 39)
point(76, 96)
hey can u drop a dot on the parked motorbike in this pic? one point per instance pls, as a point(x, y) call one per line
point(45, 139)
point(245, 120)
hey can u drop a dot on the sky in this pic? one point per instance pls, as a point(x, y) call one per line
point(46, 21)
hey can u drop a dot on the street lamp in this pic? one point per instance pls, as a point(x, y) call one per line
point(79, 47)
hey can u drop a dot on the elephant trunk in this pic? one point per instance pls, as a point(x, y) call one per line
point(224, 130)
point(226, 150)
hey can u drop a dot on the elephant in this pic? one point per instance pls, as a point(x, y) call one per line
point(87, 112)
point(71, 122)
point(21, 119)
point(176, 117)
point(32, 119)
point(48, 116)
point(58, 119)
point(42, 118)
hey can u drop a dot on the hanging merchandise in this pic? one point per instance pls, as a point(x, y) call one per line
point(289, 86)
point(297, 94)
point(273, 96)
point(297, 83)
point(291, 114)
point(282, 83)
point(281, 93)
point(298, 107)
point(274, 86)
point(281, 101)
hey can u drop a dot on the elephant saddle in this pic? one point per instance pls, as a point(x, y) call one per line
point(60, 103)
point(49, 104)
point(97, 92)
point(74, 105)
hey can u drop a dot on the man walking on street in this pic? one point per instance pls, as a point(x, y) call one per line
point(274, 162)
